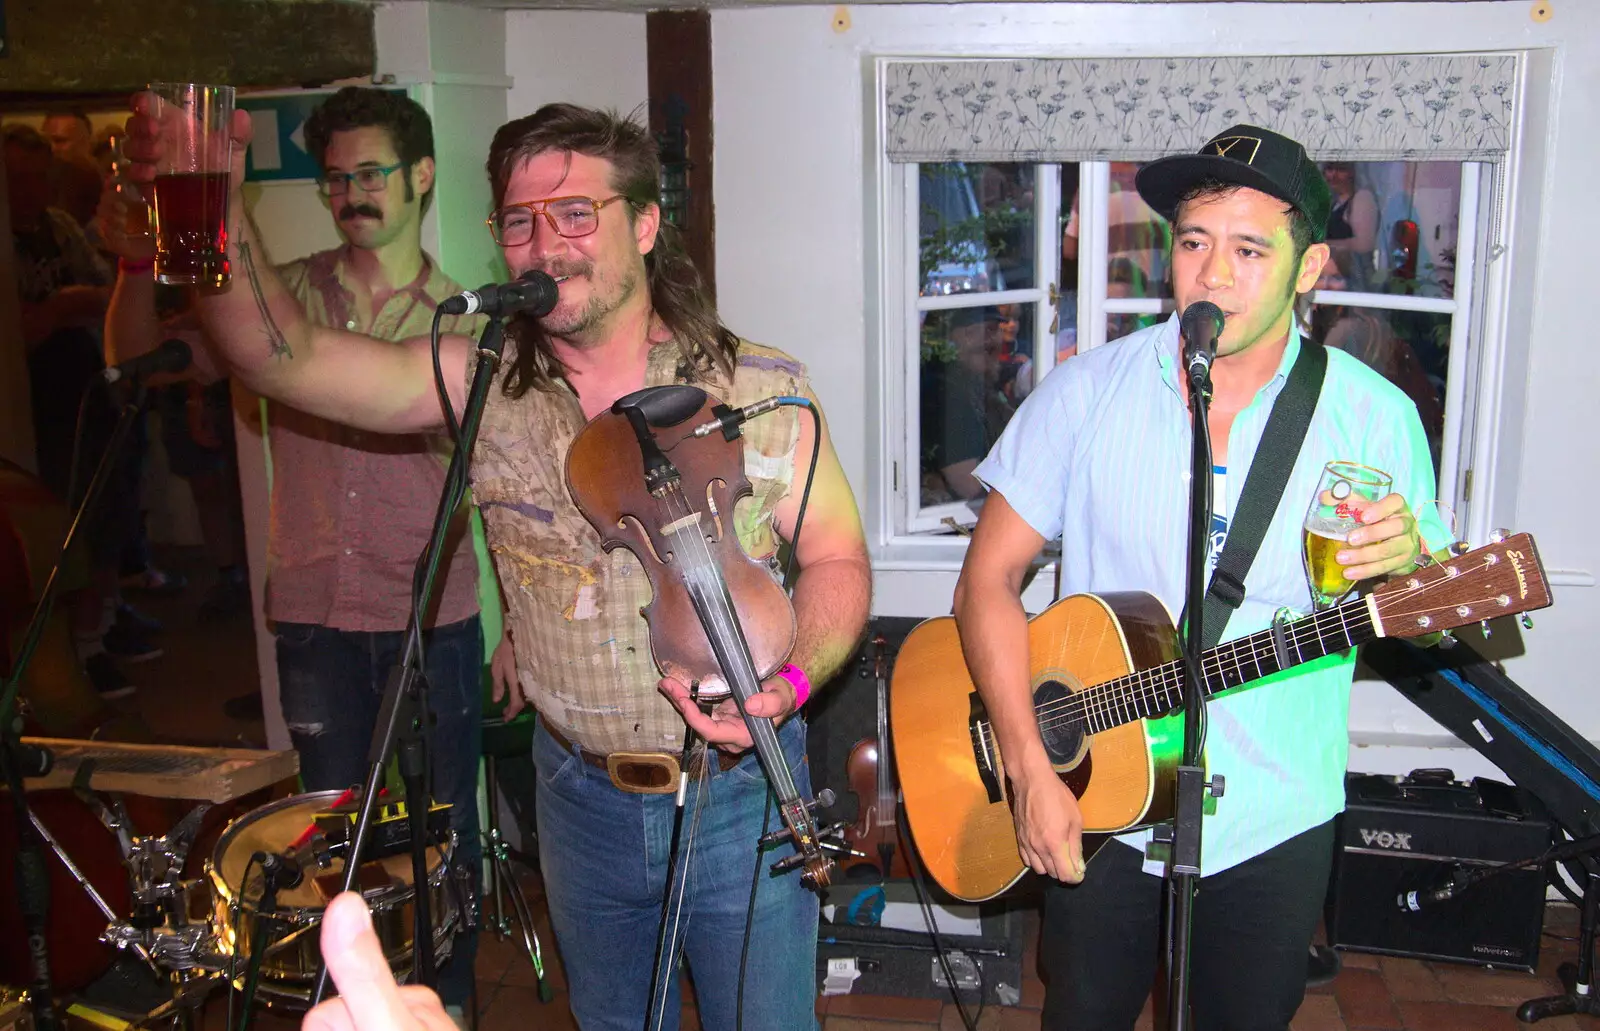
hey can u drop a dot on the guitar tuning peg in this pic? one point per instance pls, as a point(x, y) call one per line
point(1488, 631)
point(1447, 639)
point(1527, 621)
point(1498, 534)
point(1459, 548)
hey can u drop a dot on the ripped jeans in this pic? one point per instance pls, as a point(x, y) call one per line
point(331, 683)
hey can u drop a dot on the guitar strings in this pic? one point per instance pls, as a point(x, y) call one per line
point(1111, 697)
point(1114, 701)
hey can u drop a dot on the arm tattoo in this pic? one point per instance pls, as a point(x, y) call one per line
point(277, 343)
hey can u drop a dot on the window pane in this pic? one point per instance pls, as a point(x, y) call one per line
point(1138, 241)
point(1410, 348)
point(976, 227)
point(1393, 227)
point(1121, 325)
point(977, 366)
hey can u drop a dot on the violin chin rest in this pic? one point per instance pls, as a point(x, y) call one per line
point(663, 406)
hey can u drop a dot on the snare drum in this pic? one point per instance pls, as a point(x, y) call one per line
point(289, 964)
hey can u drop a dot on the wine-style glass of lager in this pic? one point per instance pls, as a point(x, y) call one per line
point(1346, 489)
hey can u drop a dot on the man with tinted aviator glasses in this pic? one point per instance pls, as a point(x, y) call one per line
point(352, 510)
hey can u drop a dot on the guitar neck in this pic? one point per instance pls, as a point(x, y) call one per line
point(1159, 690)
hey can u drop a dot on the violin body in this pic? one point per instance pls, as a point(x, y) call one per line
point(606, 474)
point(875, 826)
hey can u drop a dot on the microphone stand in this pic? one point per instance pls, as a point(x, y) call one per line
point(33, 878)
point(403, 695)
point(1183, 866)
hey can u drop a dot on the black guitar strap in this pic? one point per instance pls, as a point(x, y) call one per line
point(1269, 472)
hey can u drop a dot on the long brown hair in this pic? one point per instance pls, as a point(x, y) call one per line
point(677, 292)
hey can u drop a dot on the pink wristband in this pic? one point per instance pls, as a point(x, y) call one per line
point(797, 678)
point(132, 268)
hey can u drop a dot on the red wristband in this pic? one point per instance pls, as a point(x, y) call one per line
point(133, 268)
point(798, 680)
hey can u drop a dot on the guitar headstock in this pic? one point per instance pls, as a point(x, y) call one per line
point(1499, 579)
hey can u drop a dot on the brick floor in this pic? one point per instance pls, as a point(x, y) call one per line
point(1371, 994)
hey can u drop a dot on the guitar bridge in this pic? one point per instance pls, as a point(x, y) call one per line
point(985, 749)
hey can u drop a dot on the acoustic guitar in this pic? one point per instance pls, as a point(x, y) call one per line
point(1105, 669)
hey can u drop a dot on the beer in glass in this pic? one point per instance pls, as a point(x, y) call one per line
point(190, 197)
point(1344, 491)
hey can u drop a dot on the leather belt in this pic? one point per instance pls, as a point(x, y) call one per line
point(641, 773)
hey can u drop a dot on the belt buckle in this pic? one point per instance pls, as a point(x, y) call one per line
point(643, 773)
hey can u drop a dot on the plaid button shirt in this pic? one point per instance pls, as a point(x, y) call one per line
point(583, 649)
point(351, 510)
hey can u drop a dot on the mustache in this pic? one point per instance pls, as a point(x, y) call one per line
point(350, 211)
point(557, 269)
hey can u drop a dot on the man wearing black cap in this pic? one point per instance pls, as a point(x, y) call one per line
point(1099, 456)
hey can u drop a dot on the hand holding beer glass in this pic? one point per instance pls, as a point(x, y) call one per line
point(192, 176)
point(1344, 492)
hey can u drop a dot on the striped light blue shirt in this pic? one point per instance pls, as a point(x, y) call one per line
point(1098, 455)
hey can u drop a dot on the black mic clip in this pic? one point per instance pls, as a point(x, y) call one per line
point(729, 419)
point(1439, 890)
point(29, 760)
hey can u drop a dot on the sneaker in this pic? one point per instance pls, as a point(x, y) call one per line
point(129, 644)
point(229, 596)
point(130, 616)
point(155, 581)
point(106, 677)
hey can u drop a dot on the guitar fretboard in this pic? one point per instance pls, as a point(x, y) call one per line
point(1158, 690)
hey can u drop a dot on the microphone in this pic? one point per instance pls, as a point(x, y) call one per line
point(280, 871)
point(534, 292)
point(30, 760)
point(1200, 325)
point(728, 420)
point(170, 356)
point(1437, 889)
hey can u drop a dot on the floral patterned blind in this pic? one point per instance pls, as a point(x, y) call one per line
point(1455, 107)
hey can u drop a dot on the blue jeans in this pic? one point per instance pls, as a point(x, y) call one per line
point(331, 683)
point(604, 854)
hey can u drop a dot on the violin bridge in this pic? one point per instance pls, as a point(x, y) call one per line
point(688, 522)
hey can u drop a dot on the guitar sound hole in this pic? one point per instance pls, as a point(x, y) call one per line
point(1063, 730)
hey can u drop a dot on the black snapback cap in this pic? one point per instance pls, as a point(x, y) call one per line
point(1245, 155)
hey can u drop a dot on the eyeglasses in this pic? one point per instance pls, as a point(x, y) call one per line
point(512, 225)
point(371, 180)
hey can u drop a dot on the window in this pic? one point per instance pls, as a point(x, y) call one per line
point(1016, 267)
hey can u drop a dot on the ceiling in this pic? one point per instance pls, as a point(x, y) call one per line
point(657, 5)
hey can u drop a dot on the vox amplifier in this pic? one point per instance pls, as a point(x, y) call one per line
point(1407, 846)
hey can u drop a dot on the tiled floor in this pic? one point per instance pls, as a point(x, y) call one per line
point(182, 697)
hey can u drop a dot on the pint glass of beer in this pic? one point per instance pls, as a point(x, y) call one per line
point(190, 199)
point(1345, 491)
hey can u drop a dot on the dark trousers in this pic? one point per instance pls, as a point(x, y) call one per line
point(1102, 940)
point(331, 683)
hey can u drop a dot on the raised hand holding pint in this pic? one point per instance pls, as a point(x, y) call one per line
point(1344, 492)
point(192, 179)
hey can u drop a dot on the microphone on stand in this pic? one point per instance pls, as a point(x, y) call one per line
point(1200, 325)
point(533, 292)
point(169, 356)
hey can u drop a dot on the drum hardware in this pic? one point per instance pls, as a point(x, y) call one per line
point(497, 852)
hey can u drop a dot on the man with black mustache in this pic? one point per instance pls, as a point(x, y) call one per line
point(351, 510)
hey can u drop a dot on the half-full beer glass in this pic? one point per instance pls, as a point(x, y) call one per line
point(1344, 492)
point(191, 188)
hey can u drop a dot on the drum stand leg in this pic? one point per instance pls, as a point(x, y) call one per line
point(503, 883)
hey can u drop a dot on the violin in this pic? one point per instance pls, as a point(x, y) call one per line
point(870, 771)
point(718, 619)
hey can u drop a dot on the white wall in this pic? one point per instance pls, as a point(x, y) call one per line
point(796, 196)
point(593, 58)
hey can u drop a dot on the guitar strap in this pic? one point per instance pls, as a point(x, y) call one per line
point(1263, 487)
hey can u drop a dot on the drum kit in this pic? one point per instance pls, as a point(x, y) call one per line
point(250, 922)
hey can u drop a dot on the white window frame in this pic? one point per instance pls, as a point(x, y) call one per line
point(911, 529)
